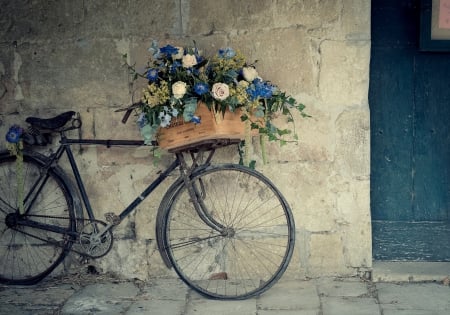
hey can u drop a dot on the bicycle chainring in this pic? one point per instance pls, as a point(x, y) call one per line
point(95, 242)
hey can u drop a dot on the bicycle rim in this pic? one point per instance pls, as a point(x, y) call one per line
point(29, 254)
point(248, 243)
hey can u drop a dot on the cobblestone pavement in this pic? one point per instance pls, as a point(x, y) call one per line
point(326, 296)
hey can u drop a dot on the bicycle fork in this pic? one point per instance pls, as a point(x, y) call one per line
point(197, 193)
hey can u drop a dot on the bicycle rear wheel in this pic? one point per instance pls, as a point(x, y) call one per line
point(247, 243)
point(28, 254)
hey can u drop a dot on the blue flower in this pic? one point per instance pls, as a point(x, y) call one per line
point(169, 50)
point(201, 88)
point(227, 53)
point(265, 89)
point(261, 89)
point(175, 65)
point(199, 58)
point(142, 120)
point(196, 120)
point(14, 133)
point(152, 74)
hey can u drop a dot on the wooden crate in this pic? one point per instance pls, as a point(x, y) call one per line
point(181, 134)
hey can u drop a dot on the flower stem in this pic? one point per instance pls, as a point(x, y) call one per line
point(248, 141)
point(263, 137)
point(262, 142)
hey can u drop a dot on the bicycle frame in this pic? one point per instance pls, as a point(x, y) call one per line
point(196, 190)
point(66, 147)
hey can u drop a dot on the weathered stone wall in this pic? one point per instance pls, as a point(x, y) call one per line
point(67, 55)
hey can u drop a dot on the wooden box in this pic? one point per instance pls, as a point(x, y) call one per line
point(182, 134)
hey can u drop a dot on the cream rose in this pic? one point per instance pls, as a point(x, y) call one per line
point(179, 89)
point(180, 53)
point(220, 91)
point(249, 73)
point(189, 61)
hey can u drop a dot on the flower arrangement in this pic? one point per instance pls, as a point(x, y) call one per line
point(180, 77)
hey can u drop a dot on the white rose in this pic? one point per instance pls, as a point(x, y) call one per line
point(249, 73)
point(180, 53)
point(220, 91)
point(189, 61)
point(179, 89)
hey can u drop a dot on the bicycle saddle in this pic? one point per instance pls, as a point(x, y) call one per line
point(51, 123)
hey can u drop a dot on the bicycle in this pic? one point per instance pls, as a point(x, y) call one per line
point(225, 229)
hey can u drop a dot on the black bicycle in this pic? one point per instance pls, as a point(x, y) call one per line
point(225, 229)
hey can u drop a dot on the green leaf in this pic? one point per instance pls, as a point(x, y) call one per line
point(148, 134)
point(190, 107)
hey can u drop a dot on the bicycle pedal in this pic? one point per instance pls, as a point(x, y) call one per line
point(112, 218)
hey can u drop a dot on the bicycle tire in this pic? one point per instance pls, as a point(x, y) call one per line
point(254, 245)
point(28, 254)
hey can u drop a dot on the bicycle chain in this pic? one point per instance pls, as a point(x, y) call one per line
point(66, 236)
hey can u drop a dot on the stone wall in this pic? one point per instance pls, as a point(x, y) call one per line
point(68, 55)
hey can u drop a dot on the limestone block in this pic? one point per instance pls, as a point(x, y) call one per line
point(353, 207)
point(10, 90)
point(344, 73)
point(146, 213)
point(153, 19)
point(134, 259)
point(208, 17)
point(353, 143)
point(355, 17)
point(108, 125)
point(306, 187)
point(283, 57)
point(310, 14)
point(326, 255)
point(68, 19)
point(316, 138)
point(78, 74)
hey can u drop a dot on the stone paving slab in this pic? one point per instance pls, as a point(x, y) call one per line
point(290, 295)
point(104, 298)
point(208, 307)
point(171, 296)
point(157, 307)
point(417, 296)
point(349, 305)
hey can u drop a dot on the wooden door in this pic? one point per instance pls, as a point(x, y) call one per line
point(409, 100)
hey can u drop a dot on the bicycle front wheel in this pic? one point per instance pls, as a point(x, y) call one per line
point(29, 253)
point(238, 242)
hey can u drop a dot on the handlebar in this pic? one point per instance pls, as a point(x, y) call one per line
point(128, 111)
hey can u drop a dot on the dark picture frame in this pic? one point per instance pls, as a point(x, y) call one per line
point(431, 37)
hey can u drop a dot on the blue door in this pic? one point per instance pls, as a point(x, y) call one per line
point(409, 100)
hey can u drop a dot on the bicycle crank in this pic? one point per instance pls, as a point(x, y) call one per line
point(94, 240)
